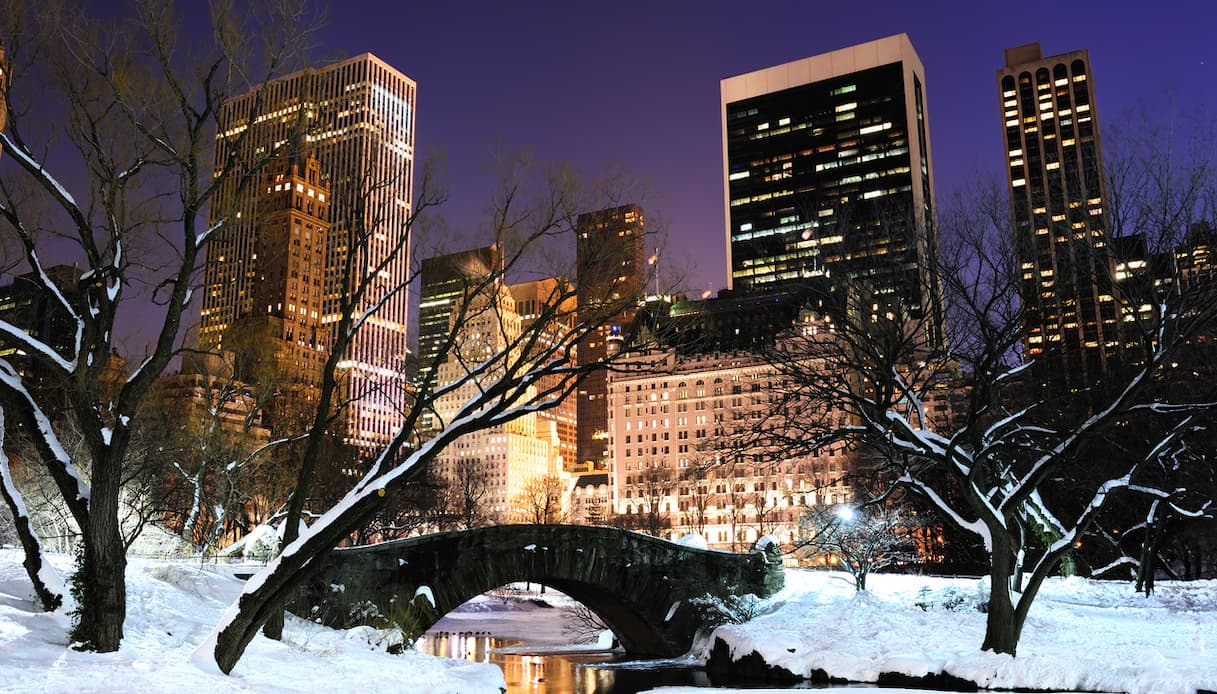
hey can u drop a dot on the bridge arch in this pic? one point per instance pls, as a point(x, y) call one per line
point(641, 586)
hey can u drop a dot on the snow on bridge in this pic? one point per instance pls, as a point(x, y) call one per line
point(639, 585)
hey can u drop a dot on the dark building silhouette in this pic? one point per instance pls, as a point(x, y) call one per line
point(23, 304)
point(827, 174)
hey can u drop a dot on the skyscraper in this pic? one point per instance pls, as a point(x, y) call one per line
point(503, 460)
point(285, 324)
point(827, 173)
point(610, 256)
point(357, 116)
point(1057, 200)
point(445, 281)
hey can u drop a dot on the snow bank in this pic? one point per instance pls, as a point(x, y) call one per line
point(1081, 634)
point(171, 608)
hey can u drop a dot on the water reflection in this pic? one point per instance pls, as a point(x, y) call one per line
point(555, 673)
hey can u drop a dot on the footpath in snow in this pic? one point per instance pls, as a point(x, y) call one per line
point(1080, 635)
point(171, 608)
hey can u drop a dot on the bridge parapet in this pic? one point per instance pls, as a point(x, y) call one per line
point(641, 586)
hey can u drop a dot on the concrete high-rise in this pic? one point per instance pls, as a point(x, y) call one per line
point(1054, 166)
point(357, 116)
point(827, 174)
point(501, 461)
point(610, 256)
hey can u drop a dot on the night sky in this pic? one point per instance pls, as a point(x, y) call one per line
point(636, 84)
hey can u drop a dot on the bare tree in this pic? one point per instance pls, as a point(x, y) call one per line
point(649, 510)
point(523, 370)
point(466, 492)
point(862, 539)
point(969, 428)
point(139, 111)
point(542, 500)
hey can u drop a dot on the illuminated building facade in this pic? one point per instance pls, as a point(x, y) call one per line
point(506, 458)
point(610, 255)
point(668, 426)
point(358, 118)
point(827, 173)
point(1057, 200)
point(285, 323)
point(549, 300)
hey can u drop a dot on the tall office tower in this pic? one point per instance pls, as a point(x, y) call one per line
point(549, 300)
point(827, 174)
point(610, 254)
point(1057, 191)
point(445, 282)
point(357, 117)
point(283, 335)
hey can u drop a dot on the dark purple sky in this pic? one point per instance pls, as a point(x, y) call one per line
point(636, 84)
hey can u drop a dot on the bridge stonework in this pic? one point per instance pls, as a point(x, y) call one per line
point(639, 585)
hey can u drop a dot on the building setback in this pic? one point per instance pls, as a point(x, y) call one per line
point(357, 116)
point(827, 173)
point(609, 254)
point(1058, 208)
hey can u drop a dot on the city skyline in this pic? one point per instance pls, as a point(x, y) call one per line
point(666, 63)
point(547, 63)
point(357, 118)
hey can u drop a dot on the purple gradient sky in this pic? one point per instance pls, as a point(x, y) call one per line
point(637, 83)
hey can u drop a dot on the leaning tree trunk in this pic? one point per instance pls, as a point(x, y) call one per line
point(281, 578)
point(1148, 565)
point(101, 580)
point(49, 598)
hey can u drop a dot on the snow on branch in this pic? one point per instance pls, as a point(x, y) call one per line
point(10, 379)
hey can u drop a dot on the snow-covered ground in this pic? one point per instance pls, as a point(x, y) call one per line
point(171, 608)
point(1080, 634)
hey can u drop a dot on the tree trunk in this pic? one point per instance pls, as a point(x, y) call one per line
point(1002, 625)
point(101, 579)
point(285, 575)
point(273, 629)
point(1149, 555)
point(48, 598)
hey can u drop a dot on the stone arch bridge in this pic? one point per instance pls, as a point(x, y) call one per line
point(639, 585)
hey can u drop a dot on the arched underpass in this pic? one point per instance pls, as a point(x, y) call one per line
point(641, 586)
